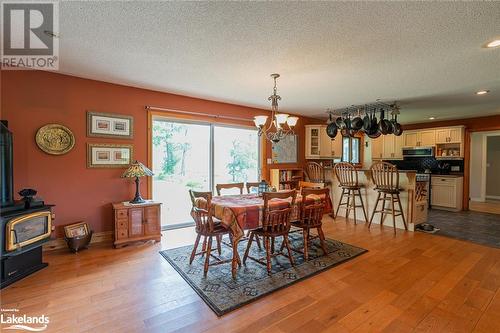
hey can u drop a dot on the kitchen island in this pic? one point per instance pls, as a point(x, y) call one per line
point(414, 198)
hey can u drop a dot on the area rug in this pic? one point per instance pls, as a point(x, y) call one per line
point(223, 293)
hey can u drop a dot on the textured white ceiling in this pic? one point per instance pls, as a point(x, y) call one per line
point(427, 55)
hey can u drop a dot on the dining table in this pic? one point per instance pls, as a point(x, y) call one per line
point(245, 212)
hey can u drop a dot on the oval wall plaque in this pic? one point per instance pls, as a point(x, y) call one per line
point(55, 139)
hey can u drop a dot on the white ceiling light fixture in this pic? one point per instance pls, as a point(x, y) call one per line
point(432, 118)
point(282, 122)
point(482, 92)
point(493, 43)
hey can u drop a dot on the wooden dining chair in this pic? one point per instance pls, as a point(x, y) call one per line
point(219, 187)
point(385, 176)
point(251, 185)
point(311, 215)
point(208, 228)
point(275, 223)
point(303, 184)
point(194, 195)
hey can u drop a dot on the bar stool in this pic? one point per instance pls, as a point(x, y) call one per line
point(386, 179)
point(348, 179)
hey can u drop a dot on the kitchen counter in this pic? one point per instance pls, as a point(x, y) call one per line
point(413, 198)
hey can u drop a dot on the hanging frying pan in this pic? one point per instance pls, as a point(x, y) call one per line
point(374, 134)
point(384, 124)
point(340, 122)
point(366, 121)
point(331, 129)
point(357, 123)
point(398, 129)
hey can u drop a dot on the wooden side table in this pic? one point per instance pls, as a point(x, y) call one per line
point(136, 222)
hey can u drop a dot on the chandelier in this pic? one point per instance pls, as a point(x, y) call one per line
point(281, 124)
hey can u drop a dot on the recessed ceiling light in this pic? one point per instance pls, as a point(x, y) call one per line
point(493, 43)
point(432, 118)
point(482, 92)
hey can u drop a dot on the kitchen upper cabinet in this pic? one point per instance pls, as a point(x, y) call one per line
point(410, 139)
point(419, 138)
point(427, 138)
point(398, 147)
point(336, 145)
point(320, 145)
point(449, 135)
point(377, 148)
point(392, 147)
point(313, 141)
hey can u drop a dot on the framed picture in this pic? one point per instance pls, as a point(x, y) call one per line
point(110, 125)
point(76, 230)
point(285, 151)
point(101, 155)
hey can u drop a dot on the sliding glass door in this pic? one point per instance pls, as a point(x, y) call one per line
point(236, 156)
point(196, 156)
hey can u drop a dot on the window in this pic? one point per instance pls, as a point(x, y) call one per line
point(195, 155)
point(351, 149)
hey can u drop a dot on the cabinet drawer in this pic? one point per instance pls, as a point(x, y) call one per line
point(443, 181)
point(121, 233)
point(121, 213)
point(121, 224)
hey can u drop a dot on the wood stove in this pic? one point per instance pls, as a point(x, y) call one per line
point(24, 225)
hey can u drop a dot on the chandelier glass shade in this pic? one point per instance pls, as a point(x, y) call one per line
point(281, 124)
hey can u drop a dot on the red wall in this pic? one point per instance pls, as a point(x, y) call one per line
point(31, 99)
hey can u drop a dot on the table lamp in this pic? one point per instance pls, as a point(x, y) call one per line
point(137, 169)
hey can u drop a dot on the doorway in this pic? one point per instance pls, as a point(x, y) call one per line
point(190, 155)
point(485, 179)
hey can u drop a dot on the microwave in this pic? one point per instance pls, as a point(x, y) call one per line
point(418, 152)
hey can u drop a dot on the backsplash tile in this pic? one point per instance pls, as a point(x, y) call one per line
point(422, 163)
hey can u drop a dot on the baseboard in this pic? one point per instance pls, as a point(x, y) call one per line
point(494, 197)
point(477, 199)
point(60, 243)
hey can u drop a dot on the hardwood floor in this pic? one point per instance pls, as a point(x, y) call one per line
point(411, 282)
point(489, 206)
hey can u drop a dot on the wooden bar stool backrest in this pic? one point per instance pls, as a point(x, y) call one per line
point(346, 174)
point(277, 219)
point(315, 172)
point(311, 210)
point(252, 184)
point(202, 216)
point(385, 176)
point(218, 187)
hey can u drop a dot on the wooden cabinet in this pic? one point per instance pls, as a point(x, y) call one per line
point(387, 147)
point(313, 141)
point(320, 145)
point(446, 192)
point(136, 222)
point(328, 147)
point(421, 138)
point(450, 142)
point(449, 135)
point(377, 148)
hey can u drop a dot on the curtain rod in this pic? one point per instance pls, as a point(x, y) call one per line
point(155, 108)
